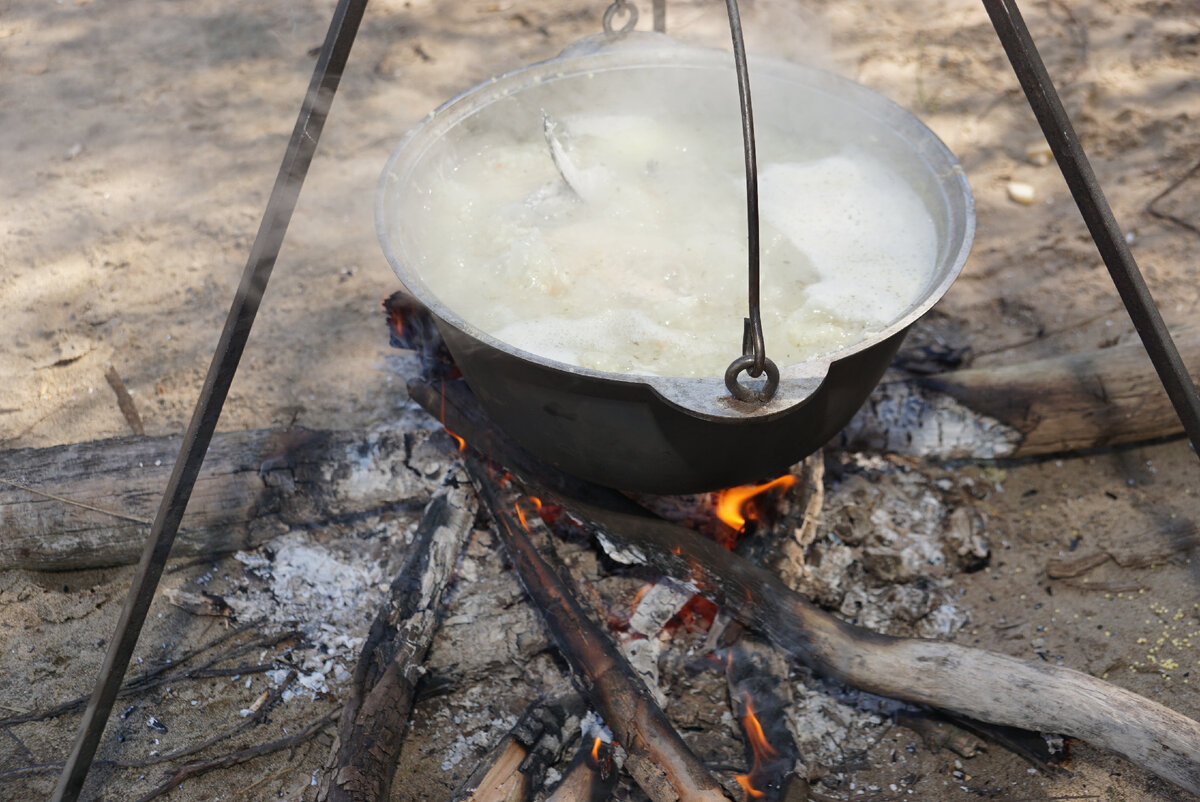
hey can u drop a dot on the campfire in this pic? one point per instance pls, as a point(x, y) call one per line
point(711, 617)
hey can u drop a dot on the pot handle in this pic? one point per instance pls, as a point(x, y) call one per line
point(708, 398)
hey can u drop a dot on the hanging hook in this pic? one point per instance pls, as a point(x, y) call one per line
point(620, 7)
point(754, 350)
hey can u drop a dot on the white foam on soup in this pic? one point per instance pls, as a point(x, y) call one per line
point(638, 264)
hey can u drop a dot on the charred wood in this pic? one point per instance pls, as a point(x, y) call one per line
point(90, 505)
point(658, 759)
point(517, 765)
point(591, 777)
point(375, 715)
point(761, 699)
point(983, 685)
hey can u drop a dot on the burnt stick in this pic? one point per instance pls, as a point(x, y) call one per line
point(374, 718)
point(659, 760)
point(591, 777)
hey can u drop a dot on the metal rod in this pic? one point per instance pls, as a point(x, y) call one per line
point(743, 78)
point(1089, 197)
point(313, 111)
point(754, 351)
point(660, 15)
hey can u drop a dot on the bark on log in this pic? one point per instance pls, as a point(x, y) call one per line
point(1100, 398)
point(658, 759)
point(973, 682)
point(374, 719)
point(90, 505)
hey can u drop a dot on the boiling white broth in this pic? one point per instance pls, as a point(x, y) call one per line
point(638, 264)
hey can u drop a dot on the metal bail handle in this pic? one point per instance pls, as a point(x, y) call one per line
point(754, 351)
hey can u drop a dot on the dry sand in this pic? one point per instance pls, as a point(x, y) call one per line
point(140, 140)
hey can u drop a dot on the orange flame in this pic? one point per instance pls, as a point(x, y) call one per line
point(758, 739)
point(759, 748)
point(396, 318)
point(596, 750)
point(744, 781)
point(462, 444)
point(732, 504)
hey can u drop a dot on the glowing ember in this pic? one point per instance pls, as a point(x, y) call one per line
point(733, 505)
point(462, 444)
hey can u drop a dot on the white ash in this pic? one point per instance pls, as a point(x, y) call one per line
point(325, 593)
point(477, 742)
point(659, 605)
point(592, 726)
point(890, 542)
point(828, 722)
point(643, 654)
point(627, 556)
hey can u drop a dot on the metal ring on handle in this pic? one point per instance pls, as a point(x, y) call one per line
point(620, 7)
point(743, 393)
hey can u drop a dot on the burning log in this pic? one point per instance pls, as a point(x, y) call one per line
point(363, 757)
point(90, 505)
point(658, 759)
point(1099, 398)
point(591, 776)
point(518, 763)
point(973, 682)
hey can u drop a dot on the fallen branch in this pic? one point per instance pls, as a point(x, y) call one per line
point(89, 505)
point(658, 759)
point(124, 400)
point(973, 682)
point(517, 765)
point(374, 719)
point(199, 767)
point(1099, 398)
point(159, 675)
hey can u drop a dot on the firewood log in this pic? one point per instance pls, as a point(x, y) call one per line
point(1098, 398)
point(89, 505)
point(374, 717)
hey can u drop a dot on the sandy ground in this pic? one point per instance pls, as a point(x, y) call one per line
point(140, 141)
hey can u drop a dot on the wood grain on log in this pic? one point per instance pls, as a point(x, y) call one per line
point(374, 719)
point(658, 759)
point(89, 505)
point(1099, 398)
